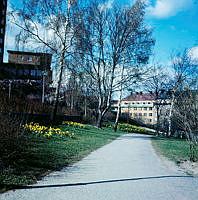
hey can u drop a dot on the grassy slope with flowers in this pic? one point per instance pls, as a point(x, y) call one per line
point(52, 148)
point(49, 149)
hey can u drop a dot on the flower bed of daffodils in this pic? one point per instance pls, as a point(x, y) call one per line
point(128, 128)
point(39, 130)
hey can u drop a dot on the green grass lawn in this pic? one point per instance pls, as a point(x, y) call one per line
point(45, 154)
point(176, 150)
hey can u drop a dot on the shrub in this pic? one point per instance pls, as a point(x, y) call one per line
point(129, 128)
point(12, 140)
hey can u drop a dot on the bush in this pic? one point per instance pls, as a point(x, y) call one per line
point(129, 128)
point(11, 140)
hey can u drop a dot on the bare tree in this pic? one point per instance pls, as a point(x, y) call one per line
point(186, 114)
point(185, 71)
point(52, 25)
point(111, 38)
point(157, 82)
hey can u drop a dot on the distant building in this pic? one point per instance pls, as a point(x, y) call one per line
point(3, 8)
point(139, 106)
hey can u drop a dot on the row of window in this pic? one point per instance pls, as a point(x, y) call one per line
point(26, 72)
point(141, 108)
point(138, 103)
point(142, 114)
point(29, 58)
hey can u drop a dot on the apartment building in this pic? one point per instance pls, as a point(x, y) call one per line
point(27, 66)
point(3, 8)
point(139, 106)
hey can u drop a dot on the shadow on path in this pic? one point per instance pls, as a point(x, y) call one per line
point(99, 182)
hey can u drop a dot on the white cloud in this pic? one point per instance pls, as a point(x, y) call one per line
point(193, 53)
point(107, 4)
point(168, 8)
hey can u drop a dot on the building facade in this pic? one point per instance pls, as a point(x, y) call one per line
point(139, 107)
point(3, 8)
point(27, 66)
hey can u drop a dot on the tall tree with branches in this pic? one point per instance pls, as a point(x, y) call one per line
point(52, 25)
point(110, 39)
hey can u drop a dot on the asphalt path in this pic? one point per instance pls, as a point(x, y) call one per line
point(126, 169)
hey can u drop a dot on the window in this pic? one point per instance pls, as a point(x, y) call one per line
point(150, 114)
point(38, 72)
point(145, 114)
point(20, 72)
point(22, 57)
point(1, 30)
point(140, 108)
point(143, 102)
point(0, 50)
point(1, 40)
point(150, 108)
point(33, 72)
point(135, 108)
point(30, 59)
point(149, 102)
point(2, 21)
point(150, 120)
point(145, 108)
point(140, 114)
point(13, 71)
point(3, 12)
point(26, 72)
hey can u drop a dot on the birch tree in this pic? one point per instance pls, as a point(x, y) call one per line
point(111, 38)
point(185, 70)
point(50, 25)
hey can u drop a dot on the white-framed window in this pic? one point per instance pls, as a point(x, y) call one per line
point(29, 58)
point(145, 114)
point(150, 114)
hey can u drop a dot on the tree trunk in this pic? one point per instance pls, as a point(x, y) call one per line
point(119, 104)
point(99, 120)
point(117, 117)
point(55, 107)
point(85, 108)
point(169, 118)
point(157, 120)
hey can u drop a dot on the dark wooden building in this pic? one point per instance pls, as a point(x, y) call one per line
point(3, 8)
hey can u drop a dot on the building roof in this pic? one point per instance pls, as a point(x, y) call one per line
point(29, 53)
point(140, 97)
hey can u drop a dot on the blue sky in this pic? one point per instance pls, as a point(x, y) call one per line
point(174, 23)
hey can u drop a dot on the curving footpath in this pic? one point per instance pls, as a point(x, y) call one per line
point(126, 169)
